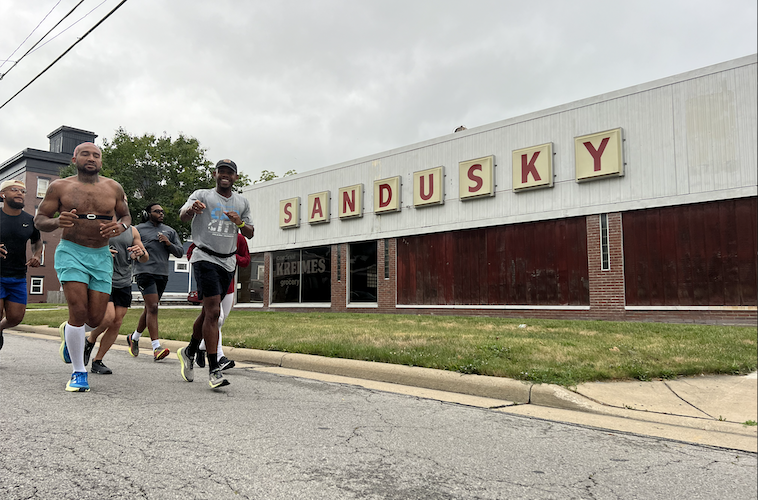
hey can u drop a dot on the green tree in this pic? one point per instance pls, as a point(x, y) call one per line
point(158, 170)
point(267, 175)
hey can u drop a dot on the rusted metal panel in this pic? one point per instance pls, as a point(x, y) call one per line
point(693, 255)
point(542, 263)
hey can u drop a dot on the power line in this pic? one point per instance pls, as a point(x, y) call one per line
point(43, 37)
point(30, 34)
point(72, 24)
point(64, 53)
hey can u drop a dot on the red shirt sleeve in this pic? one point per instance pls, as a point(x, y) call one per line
point(243, 254)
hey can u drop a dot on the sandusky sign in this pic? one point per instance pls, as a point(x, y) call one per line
point(596, 156)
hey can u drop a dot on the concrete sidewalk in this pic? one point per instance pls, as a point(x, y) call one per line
point(711, 410)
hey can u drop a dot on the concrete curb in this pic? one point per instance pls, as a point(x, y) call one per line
point(502, 389)
point(428, 378)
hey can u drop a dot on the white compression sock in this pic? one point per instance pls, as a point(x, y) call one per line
point(220, 349)
point(88, 328)
point(136, 335)
point(75, 336)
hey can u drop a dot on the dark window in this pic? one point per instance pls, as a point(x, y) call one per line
point(363, 272)
point(386, 259)
point(251, 280)
point(605, 254)
point(316, 275)
point(285, 268)
point(301, 276)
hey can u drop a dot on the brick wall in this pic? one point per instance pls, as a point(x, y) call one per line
point(606, 287)
point(339, 287)
point(386, 287)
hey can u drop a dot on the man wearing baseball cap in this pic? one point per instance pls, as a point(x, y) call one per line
point(16, 228)
point(217, 216)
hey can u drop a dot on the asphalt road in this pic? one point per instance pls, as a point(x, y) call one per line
point(145, 433)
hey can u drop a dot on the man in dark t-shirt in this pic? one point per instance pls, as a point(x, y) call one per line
point(16, 228)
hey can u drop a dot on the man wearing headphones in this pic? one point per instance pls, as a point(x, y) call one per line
point(159, 240)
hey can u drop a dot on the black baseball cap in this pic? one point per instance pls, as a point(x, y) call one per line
point(227, 163)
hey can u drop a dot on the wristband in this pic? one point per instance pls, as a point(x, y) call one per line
point(124, 226)
point(240, 225)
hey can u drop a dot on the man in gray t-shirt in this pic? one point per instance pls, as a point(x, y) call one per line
point(217, 215)
point(126, 248)
point(161, 241)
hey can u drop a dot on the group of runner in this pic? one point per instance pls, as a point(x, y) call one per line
point(94, 262)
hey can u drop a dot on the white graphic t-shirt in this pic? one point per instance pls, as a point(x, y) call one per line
point(213, 230)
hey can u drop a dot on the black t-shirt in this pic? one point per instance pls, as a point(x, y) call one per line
point(15, 231)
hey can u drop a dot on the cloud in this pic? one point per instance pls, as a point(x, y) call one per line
point(303, 85)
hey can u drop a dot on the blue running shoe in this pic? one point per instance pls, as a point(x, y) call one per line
point(78, 382)
point(64, 350)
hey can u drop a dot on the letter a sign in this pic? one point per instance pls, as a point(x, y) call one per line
point(599, 155)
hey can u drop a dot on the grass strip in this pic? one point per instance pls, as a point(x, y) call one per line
point(543, 351)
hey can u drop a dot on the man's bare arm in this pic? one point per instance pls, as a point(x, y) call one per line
point(143, 256)
point(36, 259)
point(45, 219)
point(197, 207)
point(124, 218)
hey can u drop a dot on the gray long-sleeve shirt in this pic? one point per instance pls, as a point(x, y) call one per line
point(158, 261)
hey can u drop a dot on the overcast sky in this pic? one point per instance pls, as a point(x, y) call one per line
point(304, 84)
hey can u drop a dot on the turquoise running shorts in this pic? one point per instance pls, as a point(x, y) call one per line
point(93, 266)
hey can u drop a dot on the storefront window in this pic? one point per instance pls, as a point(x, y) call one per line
point(250, 288)
point(301, 276)
point(363, 272)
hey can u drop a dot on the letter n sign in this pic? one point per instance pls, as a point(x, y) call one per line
point(599, 155)
point(350, 201)
point(318, 207)
point(476, 178)
point(533, 167)
point(289, 213)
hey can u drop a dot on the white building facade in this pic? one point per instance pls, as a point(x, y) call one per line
point(638, 204)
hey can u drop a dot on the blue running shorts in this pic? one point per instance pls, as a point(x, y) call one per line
point(93, 266)
point(13, 290)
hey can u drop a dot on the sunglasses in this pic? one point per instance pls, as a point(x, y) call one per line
point(158, 212)
point(17, 190)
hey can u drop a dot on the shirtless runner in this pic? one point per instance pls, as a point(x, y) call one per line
point(92, 209)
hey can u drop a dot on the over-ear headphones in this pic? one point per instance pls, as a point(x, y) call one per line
point(145, 214)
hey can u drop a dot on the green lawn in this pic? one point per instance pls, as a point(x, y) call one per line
point(546, 351)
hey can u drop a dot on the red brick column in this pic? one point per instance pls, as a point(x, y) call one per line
point(607, 293)
point(267, 272)
point(386, 287)
point(339, 287)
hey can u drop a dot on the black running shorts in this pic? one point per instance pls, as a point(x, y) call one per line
point(151, 283)
point(211, 279)
point(122, 297)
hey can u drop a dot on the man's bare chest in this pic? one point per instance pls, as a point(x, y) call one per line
point(95, 198)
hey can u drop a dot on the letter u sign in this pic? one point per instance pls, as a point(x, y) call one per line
point(427, 187)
